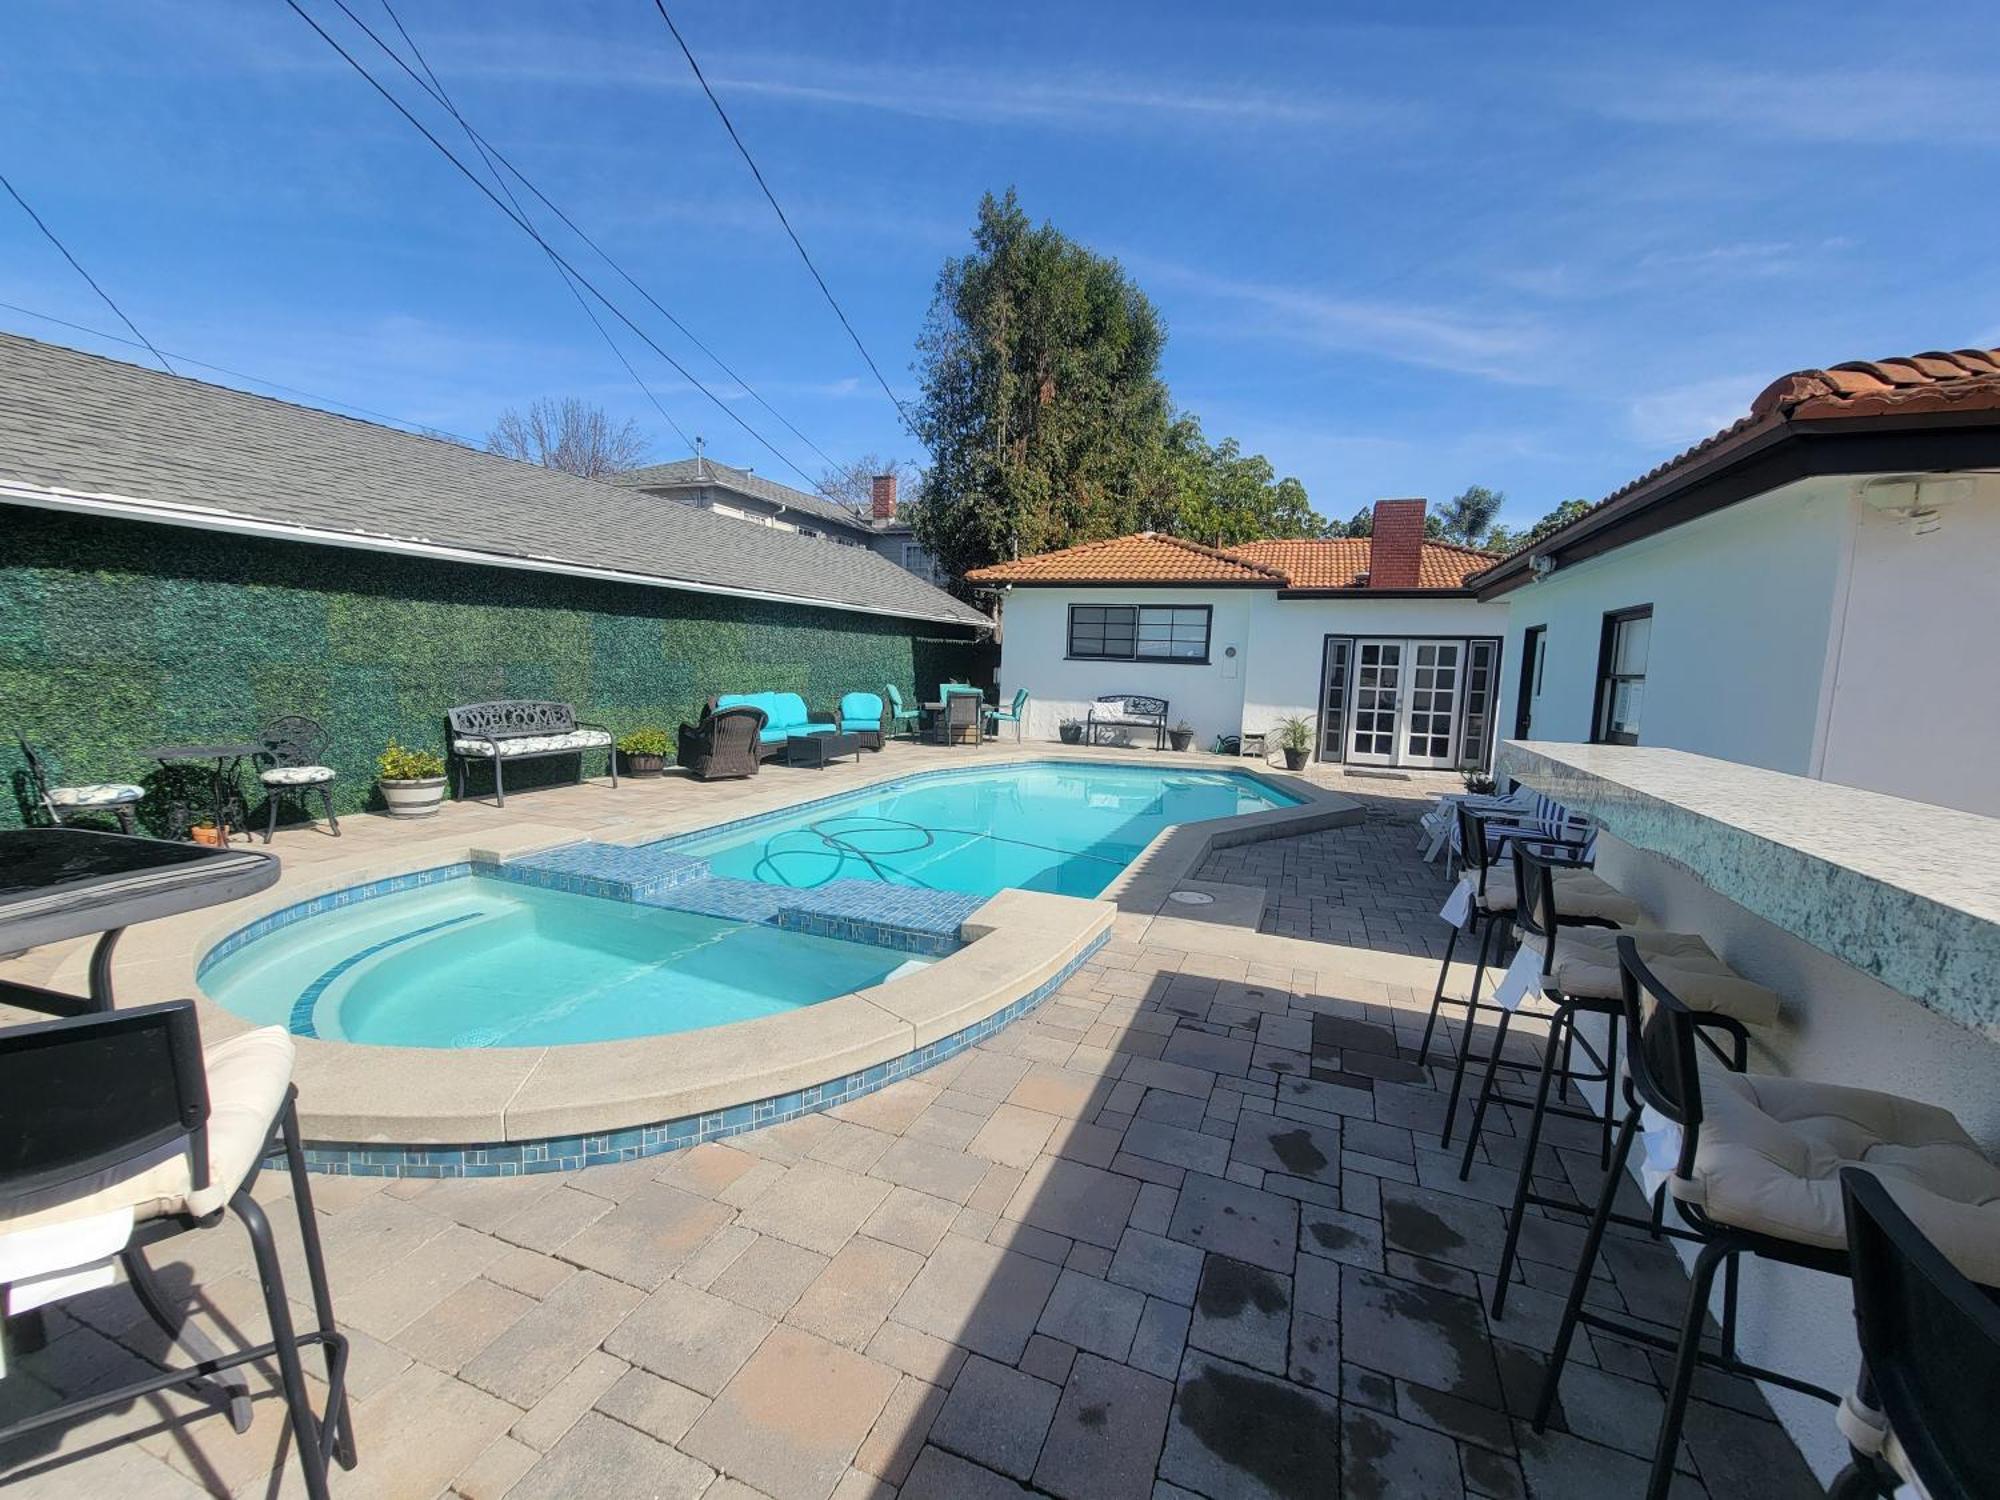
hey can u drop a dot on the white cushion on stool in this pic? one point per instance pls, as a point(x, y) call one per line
point(247, 1079)
point(1770, 1152)
point(1586, 965)
point(1579, 893)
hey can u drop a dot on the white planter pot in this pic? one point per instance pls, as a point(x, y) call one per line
point(413, 799)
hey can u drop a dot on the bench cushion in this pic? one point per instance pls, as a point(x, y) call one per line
point(536, 744)
point(102, 794)
point(767, 735)
point(784, 712)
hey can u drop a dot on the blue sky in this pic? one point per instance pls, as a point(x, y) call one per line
point(1398, 256)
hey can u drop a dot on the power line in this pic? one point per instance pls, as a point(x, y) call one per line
point(530, 230)
point(77, 266)
point(772, 199)
point(421, 429)
point(437, 91)
point(488, 149)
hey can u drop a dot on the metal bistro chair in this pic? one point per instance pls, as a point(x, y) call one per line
point(1490, 901)
point(1579, 975)
point(964, 708)
point(899, 719)
point(296, 749)
point(1752, 1166)
point(117, 1131)
point(64, 802)
point(1930, 1360)
point(1013, 714)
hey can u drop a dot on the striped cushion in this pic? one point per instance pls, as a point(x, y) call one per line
point(536, 744)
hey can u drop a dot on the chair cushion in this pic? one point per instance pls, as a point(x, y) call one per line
point(247, 1079)
point(1579, 893)
point(861, 711)
point(295, 775)
point(782, 711)
point(1770, 1152)
point(536, 744)
point(102, 794)
point(1586, 965)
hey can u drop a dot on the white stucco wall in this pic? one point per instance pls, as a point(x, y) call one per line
point(1742, 605)
point(1275, 672)
point(1282, 676)
point(1034, 648)
point(1911, 704)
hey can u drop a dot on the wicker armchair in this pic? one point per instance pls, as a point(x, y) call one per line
point(723, 744)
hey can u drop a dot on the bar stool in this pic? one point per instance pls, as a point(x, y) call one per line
point(1756, 1164)
point(1489, 895)
point(117, 1131)
point(1930, 1360)
point(1579, 975)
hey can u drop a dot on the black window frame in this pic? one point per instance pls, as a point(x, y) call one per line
point(1070, 653)
point(1607, 680)
point(1534, 643)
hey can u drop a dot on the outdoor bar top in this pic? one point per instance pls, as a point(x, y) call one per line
point(1905, 891)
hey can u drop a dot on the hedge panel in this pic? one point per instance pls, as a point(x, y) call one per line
point(118, 635)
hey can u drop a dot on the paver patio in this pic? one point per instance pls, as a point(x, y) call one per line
point(1185, 1230)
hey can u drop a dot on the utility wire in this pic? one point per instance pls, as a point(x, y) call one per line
point(77, 266)
point(420, 429)
point(530, 230)
point(772, 198)
point(487, 148)
point(437, 91)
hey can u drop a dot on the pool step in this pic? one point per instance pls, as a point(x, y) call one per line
point(617, 872)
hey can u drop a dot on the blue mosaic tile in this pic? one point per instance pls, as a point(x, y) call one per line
point(568, 1153)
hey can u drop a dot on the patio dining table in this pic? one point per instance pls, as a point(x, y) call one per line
point(62, 883)
point(224, 758)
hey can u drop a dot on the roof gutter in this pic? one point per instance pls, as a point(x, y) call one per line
point(203, 518)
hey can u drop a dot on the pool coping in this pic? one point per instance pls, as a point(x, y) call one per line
point(435, 1111)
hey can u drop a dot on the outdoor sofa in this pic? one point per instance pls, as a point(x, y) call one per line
point(522, 729)
point(785, 715)
point(723, 744)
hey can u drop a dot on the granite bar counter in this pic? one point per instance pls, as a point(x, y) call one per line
point(1906, 892)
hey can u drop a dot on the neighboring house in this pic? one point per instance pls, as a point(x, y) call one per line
point(1375, 639)
point(1812, 590)
point(746, 496)
point(184, 561)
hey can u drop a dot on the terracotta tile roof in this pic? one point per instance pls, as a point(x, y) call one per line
point(1153, 557)
point(1961, 380)
point(1342, 562)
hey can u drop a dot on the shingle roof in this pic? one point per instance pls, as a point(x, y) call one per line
point(1153, 557)
point(688, 473)
point(93, 426)
point(1962, 380)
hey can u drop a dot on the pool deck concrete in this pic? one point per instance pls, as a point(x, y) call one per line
point(1184, 1230)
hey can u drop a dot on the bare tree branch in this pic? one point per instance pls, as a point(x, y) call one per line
point(570, 435)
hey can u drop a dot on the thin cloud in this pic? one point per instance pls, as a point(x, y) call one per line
point(1685, 414)
point(1868, 106)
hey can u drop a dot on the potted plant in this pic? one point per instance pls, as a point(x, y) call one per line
point(412, 781)
point(1181, 735)
point(1295, 738)
point(1480, 784)
point(1071, 731)
point(646, 751)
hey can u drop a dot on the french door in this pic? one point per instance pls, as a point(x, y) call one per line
point(1413, 701)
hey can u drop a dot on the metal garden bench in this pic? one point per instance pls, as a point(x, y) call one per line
point(520, 729)
point(1127, 711)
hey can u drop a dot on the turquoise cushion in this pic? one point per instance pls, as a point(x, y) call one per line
point(766, 736)
point(782, 711)
point(861, 711)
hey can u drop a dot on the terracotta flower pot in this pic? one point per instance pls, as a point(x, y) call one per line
point(206, 833)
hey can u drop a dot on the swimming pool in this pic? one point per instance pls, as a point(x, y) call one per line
point(482, 962)
point(1067, 828)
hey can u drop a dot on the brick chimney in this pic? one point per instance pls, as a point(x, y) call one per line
point(1396, 550)
point(882, 497)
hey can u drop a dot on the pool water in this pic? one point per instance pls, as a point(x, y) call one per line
point(481, 962)
point(1063, 828)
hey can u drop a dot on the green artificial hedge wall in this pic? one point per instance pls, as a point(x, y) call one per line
point(116, 636)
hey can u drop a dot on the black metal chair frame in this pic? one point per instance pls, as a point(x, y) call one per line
point(518, 718)
point(1474, 833)
point(39, 774)
point(1662, 1073)
point(1538, 915)
point(88, 1093)
point(1893, 1267)
point(295, 740)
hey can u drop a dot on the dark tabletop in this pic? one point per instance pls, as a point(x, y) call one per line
point(204, 752)
point(58, 883)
